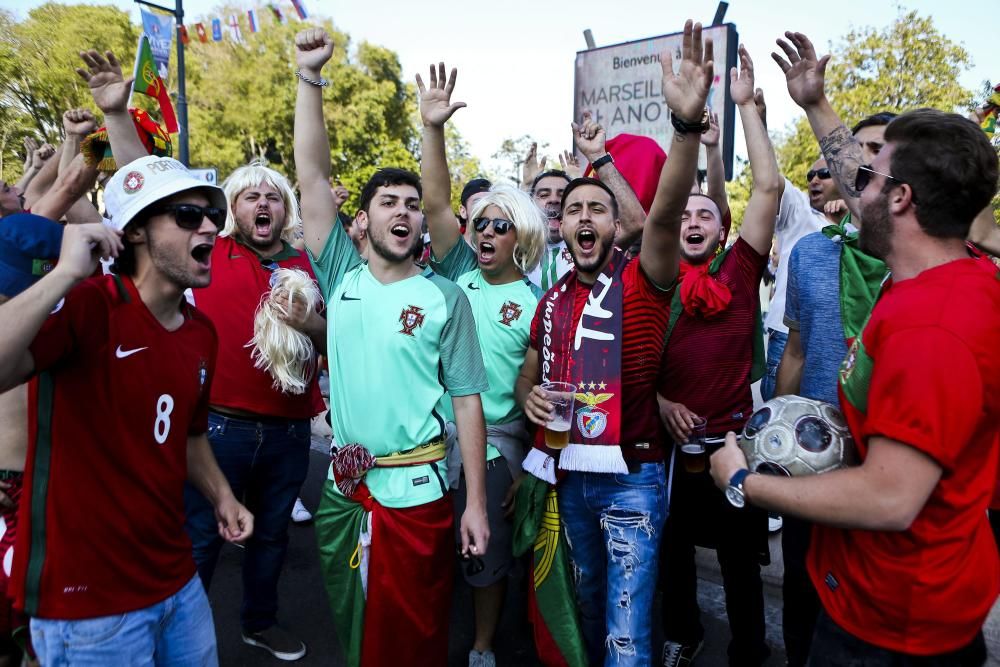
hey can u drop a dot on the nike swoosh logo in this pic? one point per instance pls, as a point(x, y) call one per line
point(344, 297)
point(471, 286)
point(236, 257)
point(121, 354)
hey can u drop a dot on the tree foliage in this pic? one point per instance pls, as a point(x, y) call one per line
point(240, 97)
point(906, 65)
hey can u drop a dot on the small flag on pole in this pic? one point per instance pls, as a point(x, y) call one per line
point(234, 29)
point(217, 30)
point(300, 9)
point(184, 35)
point(200, 29)
point(278, 16)
point(252, 19)
point(148, 82)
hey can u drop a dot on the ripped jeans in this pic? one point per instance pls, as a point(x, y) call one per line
point(613, 525)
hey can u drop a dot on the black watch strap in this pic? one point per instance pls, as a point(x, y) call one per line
point(601, 161)
point(698, 127)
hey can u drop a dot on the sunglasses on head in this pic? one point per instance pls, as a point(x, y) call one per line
point(500, 226)
point(823, 174)
point(190, 216)
point(864, 177)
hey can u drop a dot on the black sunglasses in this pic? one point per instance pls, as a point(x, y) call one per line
point(500, 226)
point(190, 216)
point(865, 174)
point(823, 174)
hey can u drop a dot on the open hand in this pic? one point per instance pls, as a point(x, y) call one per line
point(686, 91)
point(313, 48)
point(710, 137)
point(103, 75)
point(741, 83)
point(531, 167)
point(570, 163)
point(804, 73)
point(30, 146)
point(589, 137)
point(79, 122)
point(436, 106)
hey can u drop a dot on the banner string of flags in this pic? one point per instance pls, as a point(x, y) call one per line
point(213, 32)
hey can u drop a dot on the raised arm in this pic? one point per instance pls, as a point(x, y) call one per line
point(313, 48)
point(805, 74)
point(436, 108)
point(40, 156)
point(768, 184)
point(66, 193)
point(716, 169)
point(23, 316)
point(685, 93)
point(589, 137)
point(77, 123)
point(111, 91)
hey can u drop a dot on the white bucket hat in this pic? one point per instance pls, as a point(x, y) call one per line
point(148, 180)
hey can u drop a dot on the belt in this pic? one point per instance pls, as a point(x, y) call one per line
point(351, 463)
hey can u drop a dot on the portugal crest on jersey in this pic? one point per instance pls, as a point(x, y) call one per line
point(509, 312)
point(590, 419)
point(411, 318)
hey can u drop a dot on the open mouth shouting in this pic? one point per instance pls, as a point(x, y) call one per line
point(400, 230)
point(586, 241)
point(487, 251)
point(262, 224)
point(202, 255)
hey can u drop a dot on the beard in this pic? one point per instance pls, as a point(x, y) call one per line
point(174, 268)
point(377, 242)
point(702, 257)
point(875, 235)
point(589, 265)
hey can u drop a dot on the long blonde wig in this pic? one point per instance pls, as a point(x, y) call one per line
point(250, 176)
point(528, 220)
point(285, 353)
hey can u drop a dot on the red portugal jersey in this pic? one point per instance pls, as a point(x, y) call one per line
point(644, 322)
point(239, 282)
point(931, 348)
point(101, 529)
point(707, 363)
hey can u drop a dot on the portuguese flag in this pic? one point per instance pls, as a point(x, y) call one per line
point(552, 600)
point(148, 82)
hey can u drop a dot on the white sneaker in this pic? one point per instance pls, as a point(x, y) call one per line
point(299, 513)
point(774, 523)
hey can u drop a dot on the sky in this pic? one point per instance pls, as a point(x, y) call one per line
point(516, 58)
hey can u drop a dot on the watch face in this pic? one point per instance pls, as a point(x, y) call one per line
point(735, 497)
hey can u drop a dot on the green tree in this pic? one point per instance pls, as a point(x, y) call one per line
point(37, 61)
point(906, 65)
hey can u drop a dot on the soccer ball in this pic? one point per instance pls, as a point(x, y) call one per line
point(794, 436)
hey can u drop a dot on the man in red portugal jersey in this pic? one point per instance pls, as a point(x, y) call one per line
point(118, 411)
point(905, 563)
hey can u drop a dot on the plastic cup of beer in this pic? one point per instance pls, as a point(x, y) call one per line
point(693, 454)
point(561, 395)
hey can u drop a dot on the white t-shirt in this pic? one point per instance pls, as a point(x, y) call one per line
point(556, 262)
point(796, 218)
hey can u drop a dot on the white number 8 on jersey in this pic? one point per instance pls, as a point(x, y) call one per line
point(161, 427)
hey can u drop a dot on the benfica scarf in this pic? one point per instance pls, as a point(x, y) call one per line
point(861, 276)
point(551, 598)
point(709, 297)
point(588, 353)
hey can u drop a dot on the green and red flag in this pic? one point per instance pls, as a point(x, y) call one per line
point(148, 82)
point(552, 600)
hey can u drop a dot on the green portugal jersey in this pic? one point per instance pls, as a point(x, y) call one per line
point(503, 325)
point(395, 351)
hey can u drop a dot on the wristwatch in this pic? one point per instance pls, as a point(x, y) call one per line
point(601, 161)
point(734, 492)
point(699, 126)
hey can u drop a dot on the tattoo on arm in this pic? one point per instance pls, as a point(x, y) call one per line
point(843, 157)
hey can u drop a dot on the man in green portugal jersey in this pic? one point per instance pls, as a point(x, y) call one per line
point(400, 338)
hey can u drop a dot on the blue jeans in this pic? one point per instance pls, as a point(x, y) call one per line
point(265, 464)
point(613, 524)
point(775, 348)
point(178, 632)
